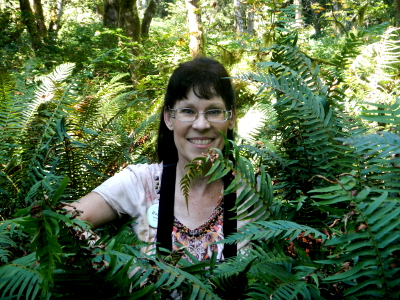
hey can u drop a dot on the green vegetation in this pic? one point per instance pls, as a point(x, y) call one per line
point(319, 170)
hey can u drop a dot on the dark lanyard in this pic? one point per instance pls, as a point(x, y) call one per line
point(166, 211)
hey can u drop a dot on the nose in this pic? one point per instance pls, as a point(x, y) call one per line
point(201, 122)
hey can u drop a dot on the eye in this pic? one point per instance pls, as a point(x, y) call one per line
point(187, 111)
point(214, 112)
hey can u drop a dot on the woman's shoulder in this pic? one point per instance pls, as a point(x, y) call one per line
point(131, 176)
point(145, 172)
point(141, 168)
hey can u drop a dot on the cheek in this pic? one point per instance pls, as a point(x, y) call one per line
point(225, 129)
point(179, 133)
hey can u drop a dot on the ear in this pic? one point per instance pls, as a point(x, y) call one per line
point(232, 121)
point(168, 120)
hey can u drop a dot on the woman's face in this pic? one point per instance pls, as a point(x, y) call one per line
point(194, 138)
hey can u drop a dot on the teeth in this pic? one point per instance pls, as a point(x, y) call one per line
point(200, 142)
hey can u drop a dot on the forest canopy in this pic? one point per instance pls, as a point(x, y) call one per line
point(316, 151)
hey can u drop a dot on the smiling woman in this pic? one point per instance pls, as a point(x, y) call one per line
point(199, 106)
point(196, 131)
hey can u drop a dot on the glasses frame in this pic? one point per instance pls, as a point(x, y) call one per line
point(198, 113)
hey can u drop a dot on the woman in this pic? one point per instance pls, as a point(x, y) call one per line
point(199, 104)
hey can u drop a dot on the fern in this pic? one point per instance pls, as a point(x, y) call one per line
point(302, 118)
point(267, 272)
point(10, 116)
point(44, 93)
point(351, 49)
point(330, 231)
point(384, 114)
point(272, 229)
point(377, 62)
point(271, 271)
point(287, 60)
point(319, 141)
point(59, 143)
point(30, 146)
point(5, 244)
point(254, 192)
point(169, 278)
point(367, 244)
point(21, 274)
point(149, 277)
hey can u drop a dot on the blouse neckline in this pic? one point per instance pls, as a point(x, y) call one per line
point(207, 226)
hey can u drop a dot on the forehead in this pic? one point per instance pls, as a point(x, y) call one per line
point(195, 101)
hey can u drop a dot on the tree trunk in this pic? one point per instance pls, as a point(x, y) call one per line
point(129, 13)
point(317, 26)
point(250, 22)
point(239, 18)
point(298, 13)
point(196, 38)
point(111, 16)
point(315, 16)
point(336, 14)
point(147, 17)
point(397, 13)
point(28, 19)
point(143, 4)
point(37, 7)
point(58, 10)
point(124, 14)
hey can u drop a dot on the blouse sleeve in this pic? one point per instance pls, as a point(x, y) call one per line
point(131, 190)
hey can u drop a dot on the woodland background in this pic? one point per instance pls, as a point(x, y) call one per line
point(81, 84)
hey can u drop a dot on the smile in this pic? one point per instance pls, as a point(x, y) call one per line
point(200, 142)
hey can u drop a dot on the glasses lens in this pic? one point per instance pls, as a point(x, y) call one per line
point(190, 115)
point(186, 114)
point(216, 115)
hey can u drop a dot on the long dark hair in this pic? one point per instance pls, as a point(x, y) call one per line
point(208, 78)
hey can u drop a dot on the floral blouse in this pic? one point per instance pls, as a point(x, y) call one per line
point(199, 241)
point(135, 189)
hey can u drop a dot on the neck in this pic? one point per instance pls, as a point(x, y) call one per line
point(203, 198)
point(199, 181)
point(200, 188)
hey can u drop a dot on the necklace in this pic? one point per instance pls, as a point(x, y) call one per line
point(166, 211)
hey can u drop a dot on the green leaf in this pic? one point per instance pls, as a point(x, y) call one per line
point(60, 190)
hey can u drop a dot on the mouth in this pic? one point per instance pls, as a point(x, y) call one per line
point(200, 141)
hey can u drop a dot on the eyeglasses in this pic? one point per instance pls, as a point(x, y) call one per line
point(191, 114)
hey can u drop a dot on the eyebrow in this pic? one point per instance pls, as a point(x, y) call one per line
point(210, 105)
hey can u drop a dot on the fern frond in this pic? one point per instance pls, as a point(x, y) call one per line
point(151, 276)
point(21, 278)
point(5, 87)
point(288, 288)
point(254, 191)
point(380, 157)
point(194, 170)
point(385, 113)
point(350, 50)
point(252, 123)
point(5, 243)
point(290, 62)
point(376, 62)
point(269, 273)
point(367, 244)
point(300, 110)
point(45, 91)
point(10, 118)
point(197, 289)
point(267, 230)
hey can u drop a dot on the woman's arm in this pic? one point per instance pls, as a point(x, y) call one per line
point(94, 209)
